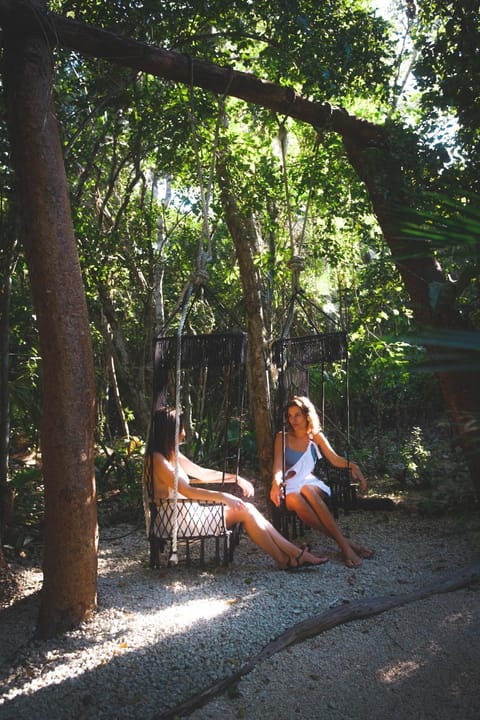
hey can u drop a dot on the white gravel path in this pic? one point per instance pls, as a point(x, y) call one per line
point(160, 637)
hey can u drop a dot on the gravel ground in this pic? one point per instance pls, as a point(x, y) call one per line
point(160, 637)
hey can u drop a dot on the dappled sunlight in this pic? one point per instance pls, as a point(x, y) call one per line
point(117, 635)
point(187, 614)
point(205, 622)
point(425, 653)
point(399, 672)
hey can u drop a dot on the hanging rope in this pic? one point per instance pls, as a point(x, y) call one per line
point(282, 139)
point(205, 245)
point(200, 278)
point(178, 386)
point(296, 264)
point(310, 193)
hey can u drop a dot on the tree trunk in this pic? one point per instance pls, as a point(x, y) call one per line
point(6, 491)
point(242, 231)
point(70, 554)
point(459, 378)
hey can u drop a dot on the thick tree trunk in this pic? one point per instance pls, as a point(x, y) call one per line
point(243, 234)
point(70, 555)
point(458, 376)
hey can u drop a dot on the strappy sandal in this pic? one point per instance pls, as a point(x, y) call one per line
point(303, 566)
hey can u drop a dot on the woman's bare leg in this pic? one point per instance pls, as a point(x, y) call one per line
point(263, 534)
point(311, 508)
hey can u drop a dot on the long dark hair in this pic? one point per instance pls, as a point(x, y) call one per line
point(162, 440)
point(162, 433)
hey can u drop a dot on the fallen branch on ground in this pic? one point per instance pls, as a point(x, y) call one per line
point(356, 610)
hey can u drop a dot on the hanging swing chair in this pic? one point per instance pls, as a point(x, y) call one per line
point(184, 364)
point(294, 357)
point(198, 371)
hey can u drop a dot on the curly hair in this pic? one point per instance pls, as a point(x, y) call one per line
point(308, 410)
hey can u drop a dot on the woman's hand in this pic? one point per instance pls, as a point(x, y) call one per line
point(276, 494)
point(246, 486)
point(358, 475)
point(232, 502)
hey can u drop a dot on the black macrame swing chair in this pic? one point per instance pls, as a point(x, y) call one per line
point(295, 356)
point(199, 370)
point(184, 364)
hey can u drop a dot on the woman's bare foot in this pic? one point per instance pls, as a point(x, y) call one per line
point(350, 558)
point(362, 551)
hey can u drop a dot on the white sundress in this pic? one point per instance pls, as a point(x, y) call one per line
point(301, 473)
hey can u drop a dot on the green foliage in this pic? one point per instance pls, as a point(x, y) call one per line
point(27, 484)
point(137, 213)
point(448, 74)
point(213, 445)
point(417, 460)
point(419, 464)
point(25, 382)
point(118, 473)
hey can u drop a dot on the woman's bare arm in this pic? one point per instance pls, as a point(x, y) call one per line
point(339, 461)
point(164, 478)
point(277, 471)
point(207, 475)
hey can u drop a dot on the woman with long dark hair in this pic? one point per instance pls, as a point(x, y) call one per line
point(160, 465)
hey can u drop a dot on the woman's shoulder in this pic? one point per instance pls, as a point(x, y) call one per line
point(287, 434)
point(161, 462)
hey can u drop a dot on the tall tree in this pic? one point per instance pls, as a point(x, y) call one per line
point(242, 229)
point(70, 559)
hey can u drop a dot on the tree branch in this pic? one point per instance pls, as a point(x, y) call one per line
point(21, 16)
point(356, 610)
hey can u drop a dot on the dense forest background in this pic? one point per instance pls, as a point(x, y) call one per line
point(154, 168)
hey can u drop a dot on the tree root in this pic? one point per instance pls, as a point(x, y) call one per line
point(355, 610)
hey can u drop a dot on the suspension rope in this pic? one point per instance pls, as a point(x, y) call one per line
point(282, 139)
point(178, 380)
point(205, 244)
point(310, 193)
point(199, 278)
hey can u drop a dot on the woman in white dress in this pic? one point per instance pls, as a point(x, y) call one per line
point(160, 469)
point(305, 493)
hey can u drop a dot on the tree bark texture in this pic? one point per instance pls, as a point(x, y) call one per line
point(367, 146)
point(70, 554)
point(458, 376)
point(242, 230)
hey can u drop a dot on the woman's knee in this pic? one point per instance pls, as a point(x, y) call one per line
point(312, 495)
point(250, 513)
point(294, 502)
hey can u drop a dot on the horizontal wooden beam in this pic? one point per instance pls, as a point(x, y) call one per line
point(27, 16)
